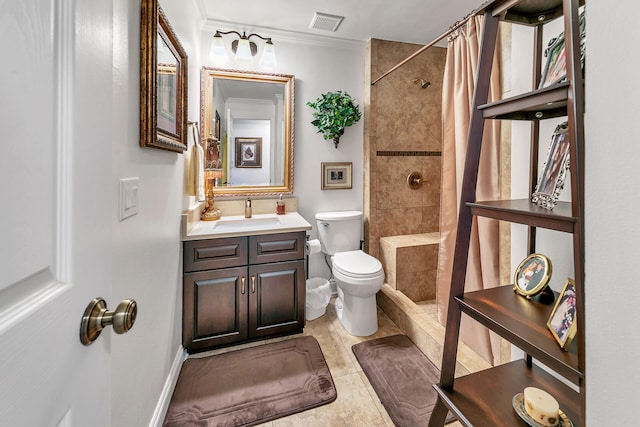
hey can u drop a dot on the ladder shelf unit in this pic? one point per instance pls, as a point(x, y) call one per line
point(485, 398)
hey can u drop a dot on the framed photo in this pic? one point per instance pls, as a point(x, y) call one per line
point(554, 171)
point(336, 176)
point(562, 321)
point(532, 275)
point(555, 67)
point(248, 152)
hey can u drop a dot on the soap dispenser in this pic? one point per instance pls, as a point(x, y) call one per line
point(247, 208)
point(280, 206)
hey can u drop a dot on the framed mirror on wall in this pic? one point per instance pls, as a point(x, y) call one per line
point(247, 117)
point(163, 82)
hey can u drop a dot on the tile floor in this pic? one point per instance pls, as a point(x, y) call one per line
point(357, 404)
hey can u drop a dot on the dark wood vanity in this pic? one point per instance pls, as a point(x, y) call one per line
point(242, 288)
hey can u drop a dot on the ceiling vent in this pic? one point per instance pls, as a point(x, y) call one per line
point(325, 22)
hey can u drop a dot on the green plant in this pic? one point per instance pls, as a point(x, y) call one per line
point(333, 112)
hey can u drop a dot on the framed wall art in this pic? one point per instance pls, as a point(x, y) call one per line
point(532, 275)
point(336, 175)
point(554, 171)
point(248, 152)
point(163, 82)
point(562, 321)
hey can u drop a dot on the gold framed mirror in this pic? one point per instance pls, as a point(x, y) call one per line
point(240, 106)
point(163, 82)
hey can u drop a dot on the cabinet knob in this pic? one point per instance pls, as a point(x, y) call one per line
point(242, 287)
point(253, 284)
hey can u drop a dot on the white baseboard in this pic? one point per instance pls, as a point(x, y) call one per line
point(167, 391)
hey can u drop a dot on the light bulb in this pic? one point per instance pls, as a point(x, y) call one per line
point(218, 51)
point(243, 53)
point(268, 55)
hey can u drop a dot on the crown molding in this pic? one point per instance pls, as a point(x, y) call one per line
point(294, 37)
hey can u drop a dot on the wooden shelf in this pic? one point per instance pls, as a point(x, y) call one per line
point(540, 104)
point(484, 398)
point(524, 323)
point(523, 211)
point(529, 12)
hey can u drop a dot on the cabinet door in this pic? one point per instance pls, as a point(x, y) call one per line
point(276, 299)
point(214, 308)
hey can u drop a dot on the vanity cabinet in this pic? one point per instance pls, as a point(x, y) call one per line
point(242, 288)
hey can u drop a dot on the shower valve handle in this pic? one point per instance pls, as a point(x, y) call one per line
point(414, 180)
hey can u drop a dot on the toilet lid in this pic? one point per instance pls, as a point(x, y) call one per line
point(356, 264)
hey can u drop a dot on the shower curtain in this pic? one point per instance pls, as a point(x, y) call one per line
point(457, 98)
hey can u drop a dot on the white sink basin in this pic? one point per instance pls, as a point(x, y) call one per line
point(244, 223)
point(230, 226)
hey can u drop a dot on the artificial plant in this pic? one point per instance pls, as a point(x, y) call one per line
point(333, 112)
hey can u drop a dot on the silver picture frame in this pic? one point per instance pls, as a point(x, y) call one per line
point(554, 171)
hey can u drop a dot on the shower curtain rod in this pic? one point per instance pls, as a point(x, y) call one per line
point(451, 29)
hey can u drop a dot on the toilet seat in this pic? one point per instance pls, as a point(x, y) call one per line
point(357, 265)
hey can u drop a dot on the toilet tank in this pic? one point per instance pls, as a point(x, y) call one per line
point(339, 231)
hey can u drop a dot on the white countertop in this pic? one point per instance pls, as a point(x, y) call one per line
point(236, 226)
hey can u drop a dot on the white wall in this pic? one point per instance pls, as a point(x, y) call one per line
point(146, 247)
point(318, 67)
point(611, 205)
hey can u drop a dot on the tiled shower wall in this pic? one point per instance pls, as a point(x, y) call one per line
point(403, 134)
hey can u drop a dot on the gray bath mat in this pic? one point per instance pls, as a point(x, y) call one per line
point(402, 377)
point(251, 386)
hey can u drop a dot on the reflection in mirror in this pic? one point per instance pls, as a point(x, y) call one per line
point(163, 82)
point(167, 87)
point(247, 122)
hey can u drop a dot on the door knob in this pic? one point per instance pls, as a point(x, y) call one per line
point(96, 317)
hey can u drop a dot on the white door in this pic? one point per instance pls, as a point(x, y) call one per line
point(55, 121)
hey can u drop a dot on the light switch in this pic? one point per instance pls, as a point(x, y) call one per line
point(128, 197)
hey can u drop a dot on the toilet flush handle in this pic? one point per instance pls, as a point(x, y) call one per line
point(325, 224)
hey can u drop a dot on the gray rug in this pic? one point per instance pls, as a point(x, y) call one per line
point(402, 377)
point(251, 386)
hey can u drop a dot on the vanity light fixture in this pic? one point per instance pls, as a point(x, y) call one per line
point(243, 48)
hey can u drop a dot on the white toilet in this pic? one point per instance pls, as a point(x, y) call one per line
point(359, 276)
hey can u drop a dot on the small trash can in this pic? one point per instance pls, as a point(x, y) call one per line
point(318, 296)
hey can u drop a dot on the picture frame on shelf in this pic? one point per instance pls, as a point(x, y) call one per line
point(532, 275)
point(336, 176)
point(554, 171)
point(248, 152)
point(562, 321)
point(555, 67)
